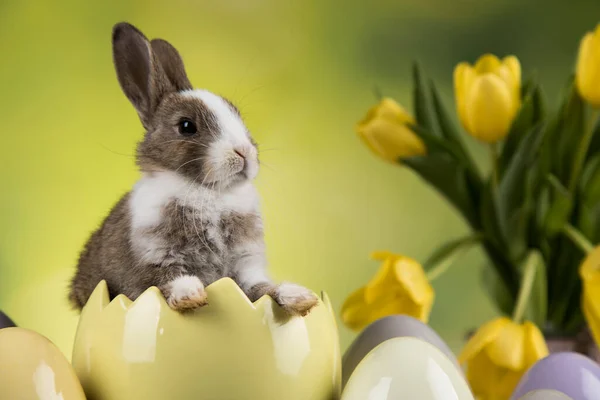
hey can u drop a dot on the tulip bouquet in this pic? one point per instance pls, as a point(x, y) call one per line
point(535, 214)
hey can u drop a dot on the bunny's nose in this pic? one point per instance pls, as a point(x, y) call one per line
point(240, 153)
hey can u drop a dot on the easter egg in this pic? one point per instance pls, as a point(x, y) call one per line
point(569, 373)
point(32, 368)
point(545, 394)
point(406, 368)
point(387, 328)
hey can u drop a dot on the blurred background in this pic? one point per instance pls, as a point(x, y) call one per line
point(303, 74)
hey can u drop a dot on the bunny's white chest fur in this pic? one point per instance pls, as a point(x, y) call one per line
point(153, 193)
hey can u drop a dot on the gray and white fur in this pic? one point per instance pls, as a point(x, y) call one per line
point(194, 215)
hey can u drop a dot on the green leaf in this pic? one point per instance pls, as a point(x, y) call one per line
point(560, 207)
point(511, 188)
point(447, 126)
point(537, 307)
point(572, 130)
point(449, 130)
point(590, 182)
point(445, 255)
point(490, 219)
point(519, 129)
point(497, 289)
point(450, 178)
point(588, 219)
point(422, 102)
point(436, 144)
point(541, 210)
point(539, 103)
point(594, 148)
point(516, 193)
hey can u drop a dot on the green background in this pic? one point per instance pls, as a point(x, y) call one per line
point(303, 74)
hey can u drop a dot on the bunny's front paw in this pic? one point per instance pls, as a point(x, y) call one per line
point(295, 299)
point(185, 293)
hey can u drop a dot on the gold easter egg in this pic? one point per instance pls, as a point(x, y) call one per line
point(32, 368)
point(231, 349)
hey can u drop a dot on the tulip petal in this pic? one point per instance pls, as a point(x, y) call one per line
point(383, 282)
point(514, 66)
point(510, 72)
point(370, 142)
point(535, 344)
point(483, 375)
point(590, 268)
point(513, 86)
point(393, 305)
point(585, 65)
point(484, 335)
point(382, 255)
point(490, 108)
point(487, 63)
point(489, 380)
point(588, 68)
point(385, 133)
point(391, 140)
point(507, 383)
point(463, 79)
point(591, 308)
point(357, 313)
point(353, 312)
point(508, 349)
point(412, 277)
point(390, 109)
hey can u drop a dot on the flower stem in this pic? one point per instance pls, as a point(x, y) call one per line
point(525, 289)
point(577, 237)
point(494, 157)
point(445, 262)
point(582, 150)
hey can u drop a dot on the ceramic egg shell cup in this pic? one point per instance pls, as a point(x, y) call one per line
point(231, 349)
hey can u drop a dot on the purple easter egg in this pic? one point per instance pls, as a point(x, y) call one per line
point(387, 328)
point(570, 373)
point(545, 394)
point(5, 322)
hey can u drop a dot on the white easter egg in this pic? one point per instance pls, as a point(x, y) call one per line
point(406, 368)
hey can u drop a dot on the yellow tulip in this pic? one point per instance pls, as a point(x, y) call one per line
point(588, 68)
point(590, 276)
point(384, 130)
point(497, 356)
point(399, 287)
point(488, 96)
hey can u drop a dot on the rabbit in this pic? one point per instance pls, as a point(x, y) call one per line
point(193, 217)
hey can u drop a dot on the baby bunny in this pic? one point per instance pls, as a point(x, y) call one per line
point(193, 217)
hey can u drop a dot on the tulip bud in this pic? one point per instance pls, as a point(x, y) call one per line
point(488, 96)
point(498, 355)
point(384, 130)
point(588, 68)
point(399, 287)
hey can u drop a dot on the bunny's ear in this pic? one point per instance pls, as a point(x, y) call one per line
point(171, 64)
point(132, 56)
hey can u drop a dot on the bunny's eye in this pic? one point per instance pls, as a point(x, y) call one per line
point(187, 127)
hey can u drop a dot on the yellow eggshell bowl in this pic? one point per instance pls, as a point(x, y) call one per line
point(406, 368)
point(231, 349)
point(32, 368)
